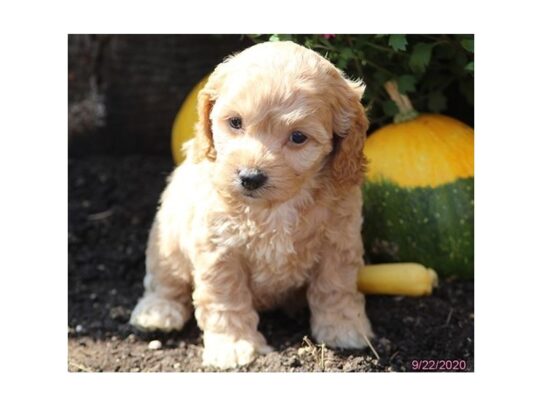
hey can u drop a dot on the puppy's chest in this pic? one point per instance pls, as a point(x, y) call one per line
point(281, 250)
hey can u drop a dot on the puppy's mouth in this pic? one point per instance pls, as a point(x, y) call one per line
point(249, 194)
point(254, 194)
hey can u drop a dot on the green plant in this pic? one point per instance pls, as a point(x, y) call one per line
point(430, 69)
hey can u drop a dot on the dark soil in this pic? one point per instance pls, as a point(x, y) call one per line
point(112, 201)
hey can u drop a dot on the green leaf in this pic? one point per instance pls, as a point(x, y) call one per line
point(341, 64)
point(470, 66)
point(420, 57)
point(286, 37)
point(344, 57)
point(437, 102)
point(468, 45)
point(398, 42)
point(274, 37)
point(406, 83)
point(326, 42)
point(347, 53)
point(390, 108)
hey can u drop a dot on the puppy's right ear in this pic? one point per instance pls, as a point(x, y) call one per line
point(203, 141)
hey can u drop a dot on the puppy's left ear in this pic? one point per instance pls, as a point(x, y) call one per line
point(204, 148)
point(350, 126)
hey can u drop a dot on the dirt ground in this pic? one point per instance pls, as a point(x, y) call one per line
point(112, 201)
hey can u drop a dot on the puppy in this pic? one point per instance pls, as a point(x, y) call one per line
point(265, 207)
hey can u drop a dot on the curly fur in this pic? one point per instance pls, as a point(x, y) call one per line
point(226, 253)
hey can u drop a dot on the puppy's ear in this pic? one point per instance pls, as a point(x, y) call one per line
point(203, 141)
point(350, 126)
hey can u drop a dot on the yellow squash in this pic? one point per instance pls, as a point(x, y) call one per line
point(419, 192)
point(183, 126)
point(427, 151)
point(410, 279)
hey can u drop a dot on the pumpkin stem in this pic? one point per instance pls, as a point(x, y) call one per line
point(403, 103)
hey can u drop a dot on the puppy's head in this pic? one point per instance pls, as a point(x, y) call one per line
point(275, 118)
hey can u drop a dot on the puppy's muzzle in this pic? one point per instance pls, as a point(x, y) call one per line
point(252, 178)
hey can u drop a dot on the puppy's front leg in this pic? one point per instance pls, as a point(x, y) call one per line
point(338, 316)
point(224, 311)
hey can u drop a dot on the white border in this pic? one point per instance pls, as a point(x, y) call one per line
point(34, 148)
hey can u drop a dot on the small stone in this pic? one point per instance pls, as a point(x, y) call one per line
point(79, 329)
point(176, 366)
point(155, 344)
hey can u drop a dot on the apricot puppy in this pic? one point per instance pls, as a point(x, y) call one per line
point(265, 207)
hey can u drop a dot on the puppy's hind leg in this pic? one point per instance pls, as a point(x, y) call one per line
point(166, 304)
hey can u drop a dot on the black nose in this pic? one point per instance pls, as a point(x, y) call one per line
point(252, 179)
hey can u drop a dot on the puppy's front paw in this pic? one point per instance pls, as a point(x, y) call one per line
point(223, 352)
point(156, 313)
point(341, 332)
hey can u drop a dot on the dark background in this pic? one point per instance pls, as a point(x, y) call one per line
point(125, 90)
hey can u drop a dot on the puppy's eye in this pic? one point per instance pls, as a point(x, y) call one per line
point(297, 137)
point(235, 123)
